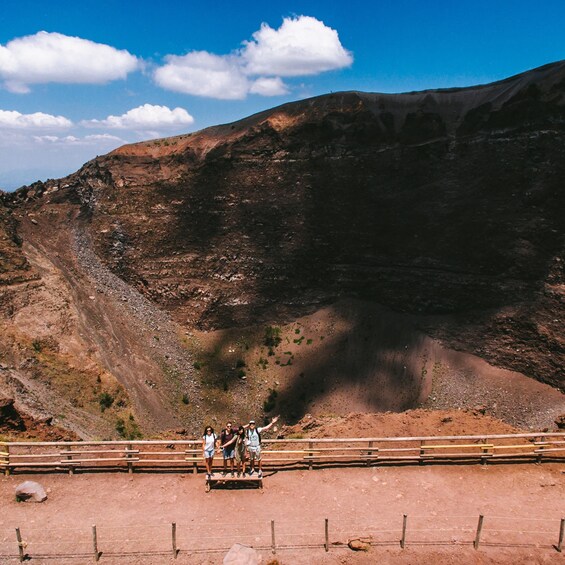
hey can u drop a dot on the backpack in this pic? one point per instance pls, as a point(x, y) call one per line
point(249, 435)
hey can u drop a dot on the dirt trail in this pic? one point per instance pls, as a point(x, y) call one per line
point(522, 505)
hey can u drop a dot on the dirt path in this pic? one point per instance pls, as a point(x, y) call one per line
point(522, 505)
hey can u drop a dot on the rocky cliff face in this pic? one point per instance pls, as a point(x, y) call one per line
point(448, 205)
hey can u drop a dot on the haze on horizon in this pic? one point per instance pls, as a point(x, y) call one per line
point(77, 81)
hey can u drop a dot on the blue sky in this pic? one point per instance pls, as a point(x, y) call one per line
point(109, 72)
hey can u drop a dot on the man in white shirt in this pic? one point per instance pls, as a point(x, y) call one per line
point(253, 440)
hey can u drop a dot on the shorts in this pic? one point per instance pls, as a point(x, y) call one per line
point(254, 453)
point(240, 455)
point(209, 453)
point(229, 452)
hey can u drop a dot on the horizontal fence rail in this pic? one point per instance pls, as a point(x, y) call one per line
point(102, 541)
point(186, 455)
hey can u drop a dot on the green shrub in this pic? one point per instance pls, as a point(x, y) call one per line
point(272, 336)
point(185, 398)
point(106, 400)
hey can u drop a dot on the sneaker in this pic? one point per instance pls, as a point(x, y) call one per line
point(238, 475)
point(232, 475)
point(260, 474)
point(224, 474)
point(208, 476)
point(251, 472)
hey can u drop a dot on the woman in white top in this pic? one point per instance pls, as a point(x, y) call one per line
point(209, 440)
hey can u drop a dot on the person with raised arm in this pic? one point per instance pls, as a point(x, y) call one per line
point(253, 441)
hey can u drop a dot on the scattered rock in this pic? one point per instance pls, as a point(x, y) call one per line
point(30, 491)
point(560, 421)
point(241, 555)
point(359, 544)
point(9, 417)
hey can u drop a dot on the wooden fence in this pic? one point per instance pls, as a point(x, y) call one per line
point(186, 455)
point(100, 542)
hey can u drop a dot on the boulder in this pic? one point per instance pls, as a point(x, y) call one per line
point(241, 555)
point(560, 421)
point(359, 544)
point(30, 491)
point(9, 417)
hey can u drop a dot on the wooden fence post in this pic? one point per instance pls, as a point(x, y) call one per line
point(95, 544)
point(484, 451)
point(561, 532)
point(540, 454)
point(20, 545)
point(422, 453)
point(327, 542)
point(273, 543)
point(174, 539)
point(129, 455)
point(478, 534)
point(7, 468)
point(70, 458)
point(369, 453)
point(403, 539)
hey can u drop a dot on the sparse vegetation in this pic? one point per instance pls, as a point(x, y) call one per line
point(263, 363)
point(185, 398)
point(239, 364)
point(197, 365)
point(106, 400)
point(272, 336)
point(128, 428)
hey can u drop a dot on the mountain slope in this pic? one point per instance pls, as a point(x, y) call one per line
point(447, 205)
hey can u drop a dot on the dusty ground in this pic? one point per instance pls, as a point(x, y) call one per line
point(522, 505)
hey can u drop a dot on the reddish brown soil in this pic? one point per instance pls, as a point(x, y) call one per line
point(522, 505)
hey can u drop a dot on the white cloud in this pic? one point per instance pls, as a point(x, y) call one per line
point(104, 137)
point(38, 120)
point(73, 140)
point(203, 74)
point(146, 116)
point(54, 57)
point(266, 86)
point(301, 46)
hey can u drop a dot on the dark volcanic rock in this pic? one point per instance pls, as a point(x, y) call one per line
point(10, 418)
point(440, 203)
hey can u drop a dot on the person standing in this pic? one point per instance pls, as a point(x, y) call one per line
point(254, 445)
point(227, 445)
point(240, 451)
point(209, 447)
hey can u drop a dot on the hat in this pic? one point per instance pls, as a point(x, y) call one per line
point(251, 421)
